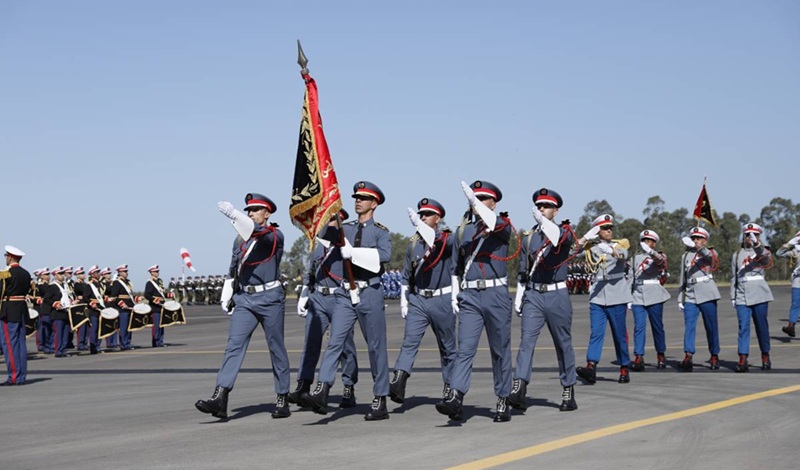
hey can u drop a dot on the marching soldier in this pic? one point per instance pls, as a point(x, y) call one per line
point(94, 298)
point(173, 287)
point(79, 288)
point(649, 296)
point(481, 300)
point(543, 298)
point(190, 291)
point(15, 283)
point(609, 295)
point(699, 294)
point(751, 295)
point(42, 280)
point(366, 243)
point(322, 280)
point(258, 299)
point(121, 295)
point(55, 304)
point(426, 296)
point(112, 341)
point(791, 250)
point(154, 293)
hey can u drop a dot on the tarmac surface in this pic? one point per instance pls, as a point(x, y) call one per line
point(135, 409)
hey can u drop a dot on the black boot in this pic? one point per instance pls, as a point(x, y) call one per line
point(318, 399)
point(624, 376)
point(742, 366)
point(348, 397)
point(686, 364)
point(638, 364)
point(568, 402)
point(766, 364)
point(303, 386)
point(789, 329)
point(502, 413)
point(217, 405)
point(397, 386)
point(714, 362)
point(661, 361)
point(282, 406)
point(377, 411)
point(518, 397)
point(588, 373)
point(451, 405)
point(445, 390)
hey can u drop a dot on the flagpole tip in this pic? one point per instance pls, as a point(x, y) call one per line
point(302, 61)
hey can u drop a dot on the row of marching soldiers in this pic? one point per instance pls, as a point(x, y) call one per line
point(197, 290)
point(65, 310)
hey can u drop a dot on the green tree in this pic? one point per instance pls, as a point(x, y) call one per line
point(780, 220)
point(295, 261)
point(591, 211)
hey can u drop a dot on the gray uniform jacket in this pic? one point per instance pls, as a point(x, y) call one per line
point(610, 285)
point(697, 282)
point(748, 285)
point(647, 271)
point(793, 252)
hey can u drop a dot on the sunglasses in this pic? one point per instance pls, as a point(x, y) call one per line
point(427, 214)
point(607, 227)
point(364, 198)
point(483, 198)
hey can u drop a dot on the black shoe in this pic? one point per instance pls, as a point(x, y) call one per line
point(502, 413)
point(446, 390)
point(624, 376)
point(714, 362)
point(661, 361)
point(686, 364)
point(217, 405)
point(348, 397)
point(377, 411)
point(451, 405)
point(281, 407)
point(742, 366)
point(568, 402)
point(397, 386)
point(318, 399)
point(303, 386)
point(789, 330)
point(638, 364)
point(588, 373)
point(517, 399)
point(766, 364)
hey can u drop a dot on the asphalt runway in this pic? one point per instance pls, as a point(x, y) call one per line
point(135, 409)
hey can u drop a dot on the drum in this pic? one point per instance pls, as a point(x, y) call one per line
point(172, 314)
point(142, 309)
point(77, 316)
point(31, 323)
point(109, 322)
point(141, 317)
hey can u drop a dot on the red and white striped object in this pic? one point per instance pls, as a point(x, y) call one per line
point(186, 259)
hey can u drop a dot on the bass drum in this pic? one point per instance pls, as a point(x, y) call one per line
point(109, 322)
point(172, 314)
point(31, 323)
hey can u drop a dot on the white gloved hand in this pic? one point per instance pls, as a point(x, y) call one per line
point(346, 250)
point(302, 302)
point(646, 248)
point(680, 306)
point(226, 208)
point(413, 217)
point(454, 295)
point(518, 299)
point(752, 238)
point(403, 301)
point(537, 216)
point(592, 234)
point(629, 305)
point(605, 248)
point(469, 193)
point(733, 302)
point(688, 242)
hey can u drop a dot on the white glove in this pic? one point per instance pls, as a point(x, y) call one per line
point(733, 302)
point(518, 299)
point(688, 242)
point(226, 208)
point(346, 250)
point(592, 234)
point(752, 238)
point(469, 193)
point(537, 216)
point(680, 306)
point(629, 305)
point(413, 217)
point(403, 301)
point(605, 248)
point(646, 248)
point(454, 294)
point(302, 303)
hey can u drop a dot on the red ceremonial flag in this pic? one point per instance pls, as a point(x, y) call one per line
point(315, 192)
point(702, 209)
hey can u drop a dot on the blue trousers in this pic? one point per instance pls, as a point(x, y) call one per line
point(370, 314)
point(656, 315)
point(94, 331)
point(157, 331)
point(690, 314)
point(265, 309)
point(490, 309)
point(83, 337)
point(46, 331)
point(15, 351)
point(436, 312)
point(794, 310)
point(555, 309)
point(60, 336)
point(758, 313)
point(320, 311)
point(615, 315)
point(124, 332)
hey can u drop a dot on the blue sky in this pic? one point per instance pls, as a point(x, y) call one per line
point(123, 123)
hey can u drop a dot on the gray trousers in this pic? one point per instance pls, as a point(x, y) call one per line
point(490, 309)
point(555, 309)
point(264, 308)
point(370, 314)
point(438, 313)
point(320, 310)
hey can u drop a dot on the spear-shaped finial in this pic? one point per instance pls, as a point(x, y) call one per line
point(302, 61)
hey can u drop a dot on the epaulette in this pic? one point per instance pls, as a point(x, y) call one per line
point(565, 222)
point(504, 215)
point(381, 226)
point(274, 224)
point(446, 230)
